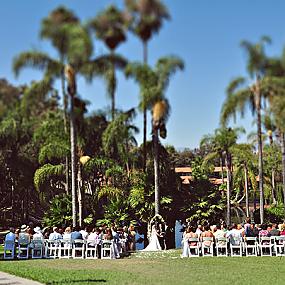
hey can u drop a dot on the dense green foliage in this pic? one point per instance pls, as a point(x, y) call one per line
point(117, 180)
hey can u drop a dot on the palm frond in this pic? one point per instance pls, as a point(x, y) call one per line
point(47, 172)
point(53, 151)
point(39, 60)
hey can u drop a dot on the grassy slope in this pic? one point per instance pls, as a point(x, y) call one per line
point(153, 269)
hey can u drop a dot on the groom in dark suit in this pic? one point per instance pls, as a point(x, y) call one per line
point(161, 235)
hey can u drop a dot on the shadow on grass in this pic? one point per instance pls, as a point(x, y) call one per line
point(77, 281)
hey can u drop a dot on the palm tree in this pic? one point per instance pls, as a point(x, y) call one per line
point(270, 127)
point(239, 95)
point(73, 44)
point(222, 141)
point(71, 88)
point(119, 138)
point(244, 168)
point(110, 26)
point(160, 113)
point(153, 84)
point(274, 86)
point(147, 17)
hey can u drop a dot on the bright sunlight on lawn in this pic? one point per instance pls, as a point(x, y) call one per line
point(152, 268)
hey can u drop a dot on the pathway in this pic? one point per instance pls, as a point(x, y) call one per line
point(8, 279)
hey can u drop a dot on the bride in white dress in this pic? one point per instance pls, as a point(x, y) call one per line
point(154, 244)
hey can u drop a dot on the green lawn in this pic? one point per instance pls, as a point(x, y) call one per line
point(157, 268)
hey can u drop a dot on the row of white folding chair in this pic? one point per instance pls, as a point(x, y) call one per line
point(23, 248)
point(205, 246)
point(250, 246)
point(77, 249)
point(64, 248)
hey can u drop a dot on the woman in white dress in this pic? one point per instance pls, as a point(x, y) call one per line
point(154, 244)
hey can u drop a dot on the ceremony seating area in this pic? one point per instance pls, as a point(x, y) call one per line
point(235, 247)
point(77, 249)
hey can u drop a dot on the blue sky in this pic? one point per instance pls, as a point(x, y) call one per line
point(206, 34)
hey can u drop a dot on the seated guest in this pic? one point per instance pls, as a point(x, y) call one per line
point(55, 235)
point(251, 231)
point(207, 233)
point(219, 233)
point(67, 233)
point(24, 237)
point(108, 234)
point(191, 234)
point(38, 235)
point(199, 230)
point(75, 234)
point(247, 223)
point(11, 235)
point(234, 235)
point(93, 238)
point(264, 232)
point(84, 233)
point(274, 231)
point(241, 230)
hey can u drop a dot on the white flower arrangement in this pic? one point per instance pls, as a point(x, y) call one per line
point(156, 218)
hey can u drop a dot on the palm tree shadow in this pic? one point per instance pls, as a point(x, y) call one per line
point(79, 281)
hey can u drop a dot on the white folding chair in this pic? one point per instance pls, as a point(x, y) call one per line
point(91, 251)
point(279, 245)
point(266, 246)
point(78, 248)
point(65, 248)
point(51, 248)
point(194, 247)
point(37, 248)
point(23, 249)
point(207, 246)
point(251, 246)
point(236, 246)
point(106, 250)
point(9, 249)
point(222, 246)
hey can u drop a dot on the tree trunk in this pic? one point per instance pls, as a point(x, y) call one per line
point(156, 170)
point(272, 173)
point(246, 191)
point(222, 167)
point(273, 191)
point(113, 86)
point(228, 218)
point(80, 197)
point(283, 166)
point(144, 112)
point(65, 106)
point(73, 159)
point(260, 159)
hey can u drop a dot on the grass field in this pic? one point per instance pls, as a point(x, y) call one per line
point(153, 268)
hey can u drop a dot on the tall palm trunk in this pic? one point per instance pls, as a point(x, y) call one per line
point(80, 196)
point(73, 159)
point(113, 86)
point(144, 112)
point(228, 218)
point(272, 174)
point(246, 191)
point(260, 158)
point(283, 165)
point(222, 168)
point(65, 106)
point(156, 169)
